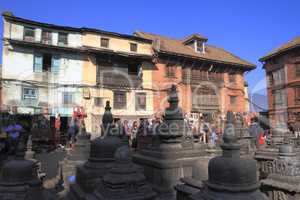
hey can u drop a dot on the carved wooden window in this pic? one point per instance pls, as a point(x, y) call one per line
point(170, 71)
point(203, 96)
point(278, 98)
point(233, 100)
point(133, 69)
point(119, 100)
point(140, 102)
point(232, 78)
point(29, 34)
point(297, 95)
point(278, 77)
point(270, 79)
point(297, 69)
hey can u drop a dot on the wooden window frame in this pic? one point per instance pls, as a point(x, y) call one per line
point(26, 96)
point(281, 95)
point(138, 106)
point(133, 47)
point(48, 38)
point(231, 97)
point(61, 42)
point(69, 102)
point(29, 38)
point(170, 71)
point(122, 102)
point(297, 95)
point(297, 70)
point(232, 78)
point(102, 42)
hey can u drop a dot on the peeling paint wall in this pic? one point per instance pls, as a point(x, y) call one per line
point(18, 66)
point(116, 44)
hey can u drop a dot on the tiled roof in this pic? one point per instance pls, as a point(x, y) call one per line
point(283, 48)
point(212, 53)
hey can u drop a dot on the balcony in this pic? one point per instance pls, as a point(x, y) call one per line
point(194, 77)
point(205, 103)
point(113, 79)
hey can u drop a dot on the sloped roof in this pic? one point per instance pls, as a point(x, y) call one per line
point(283, 48)
point(212, 53)
point(193, 37)
point(10, 17)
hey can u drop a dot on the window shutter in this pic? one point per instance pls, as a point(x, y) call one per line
point(55, 64)
point(38, 63)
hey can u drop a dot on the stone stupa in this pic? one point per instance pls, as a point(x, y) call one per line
point(19, 179)
point(230, 176)
point(101, 159)
point(124, 181)
point(171, 157)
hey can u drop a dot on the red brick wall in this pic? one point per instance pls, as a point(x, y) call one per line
point(162, 83)
point(287, 62)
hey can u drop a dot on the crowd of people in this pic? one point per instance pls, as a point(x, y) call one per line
point(208, 131)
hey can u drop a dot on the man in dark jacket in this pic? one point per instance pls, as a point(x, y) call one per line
point(255, 130)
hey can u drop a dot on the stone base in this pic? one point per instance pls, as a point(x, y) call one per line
point(263, 156)
point(186, 188)
point(164, 169)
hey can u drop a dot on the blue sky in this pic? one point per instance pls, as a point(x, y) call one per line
point(248, 29)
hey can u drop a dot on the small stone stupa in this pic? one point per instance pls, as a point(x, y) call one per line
point(230, 176)
point(101, 159)
point(19, 179)
point(124, 181)
point(170, 157)
point(284, 180)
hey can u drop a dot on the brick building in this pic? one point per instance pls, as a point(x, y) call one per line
point(210, 80)
point(282, 67)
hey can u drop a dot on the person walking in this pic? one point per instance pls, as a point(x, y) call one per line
point(134, 132)
point(255, 130)
point(57, 126)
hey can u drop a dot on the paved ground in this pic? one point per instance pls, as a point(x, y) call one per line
point(49, 161)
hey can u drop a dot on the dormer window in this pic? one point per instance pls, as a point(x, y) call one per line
point(199, 46)
point(196, 41)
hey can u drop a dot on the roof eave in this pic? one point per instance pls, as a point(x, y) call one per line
point(11, 17)
point(269, 56)
point(247, 67)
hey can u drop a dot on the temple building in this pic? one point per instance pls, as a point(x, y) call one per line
point(282, 67)
point(210, 79)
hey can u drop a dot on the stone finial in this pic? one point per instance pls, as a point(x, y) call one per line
point(229, 117)
point(107, 118)
point(229, 136)
point(173, 97)
point(21, 150)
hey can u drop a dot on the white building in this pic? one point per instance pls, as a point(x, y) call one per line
point(42, 67)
